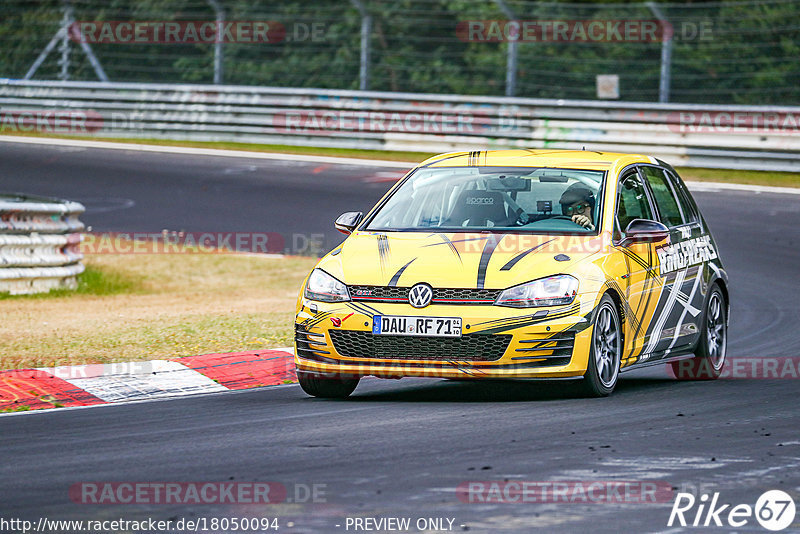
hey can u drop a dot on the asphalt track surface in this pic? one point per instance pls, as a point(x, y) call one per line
point(400, 448)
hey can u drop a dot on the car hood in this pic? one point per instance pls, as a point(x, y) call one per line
point(458, 260)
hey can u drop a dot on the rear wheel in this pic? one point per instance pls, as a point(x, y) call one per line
point(711, 349)
point(326, 386)
point(602, 371)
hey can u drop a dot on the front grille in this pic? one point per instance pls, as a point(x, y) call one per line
point(440, 295)
point(471, 347)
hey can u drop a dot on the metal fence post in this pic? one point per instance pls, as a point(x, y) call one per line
point(220, 18)
point(366, 30)
point(63, 34)
point(666, 54)
point(511, 58)
point(63, 47)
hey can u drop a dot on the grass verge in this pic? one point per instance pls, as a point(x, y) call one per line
point(146, 307)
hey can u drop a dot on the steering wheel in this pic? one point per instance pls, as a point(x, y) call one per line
point(522, 218)
point(567, 217)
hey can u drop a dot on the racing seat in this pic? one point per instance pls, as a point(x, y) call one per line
point(478, 208)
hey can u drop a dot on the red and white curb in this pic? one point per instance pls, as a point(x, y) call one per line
point(87, 385)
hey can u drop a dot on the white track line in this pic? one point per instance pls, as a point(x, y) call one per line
point(694, 186)
point(205, 151)
point(718, 186)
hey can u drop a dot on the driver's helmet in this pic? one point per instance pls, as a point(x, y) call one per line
point(576, 193)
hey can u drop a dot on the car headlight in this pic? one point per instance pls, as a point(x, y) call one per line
point(322, 286)
point(550, 291)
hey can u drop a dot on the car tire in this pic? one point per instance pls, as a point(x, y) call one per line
point(605, 353)
point(712, 346)
point(325, 386)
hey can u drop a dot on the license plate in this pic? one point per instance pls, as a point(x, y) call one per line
point(399, 325)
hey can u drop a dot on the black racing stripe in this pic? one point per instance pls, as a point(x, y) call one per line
point(505, 320)
point(526, 321)
point(316, 320)
point(633, 256)
point(363, 308)
point(486, 255)
point(637, 313)
point(513, 261)
point(399, 273)
point(449, 241)
point(635, 322)
point(662, 302)
point(629, 313)
point(445, 159)
point(452, 247)
point(649, 277)
point(383, 250)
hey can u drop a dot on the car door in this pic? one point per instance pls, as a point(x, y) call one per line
point(677, 319)
point(638, 282)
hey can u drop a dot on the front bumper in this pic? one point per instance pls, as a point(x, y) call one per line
point(497, 342)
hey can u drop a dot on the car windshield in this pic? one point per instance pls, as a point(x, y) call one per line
point(514, 199)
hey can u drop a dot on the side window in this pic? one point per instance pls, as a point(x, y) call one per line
point(665, 199)
point(631, 202)
point(687, 208)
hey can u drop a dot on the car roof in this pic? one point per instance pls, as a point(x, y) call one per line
point(565, 159)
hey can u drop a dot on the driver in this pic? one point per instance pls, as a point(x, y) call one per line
point(578, 203)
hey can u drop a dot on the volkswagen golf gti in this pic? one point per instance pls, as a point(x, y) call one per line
point(518, 264)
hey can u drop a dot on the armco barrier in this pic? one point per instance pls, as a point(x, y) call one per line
point(39, 240)
point(728, 137)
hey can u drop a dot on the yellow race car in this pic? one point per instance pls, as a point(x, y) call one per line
point(517, 264)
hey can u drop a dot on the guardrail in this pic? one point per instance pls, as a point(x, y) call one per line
point(39, 244)
point(726, 137)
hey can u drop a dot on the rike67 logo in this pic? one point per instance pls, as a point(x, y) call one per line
point(774, 510)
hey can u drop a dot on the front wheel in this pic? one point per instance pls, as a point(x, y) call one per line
point(325, 386)
point(710, 353)
point(605, 353)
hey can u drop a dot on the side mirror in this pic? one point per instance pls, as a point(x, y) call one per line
point(645, 231)
point(347, 222)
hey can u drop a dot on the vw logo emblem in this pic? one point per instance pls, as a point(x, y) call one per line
point(420, 295)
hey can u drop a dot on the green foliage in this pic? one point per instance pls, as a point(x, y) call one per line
point(747, 53)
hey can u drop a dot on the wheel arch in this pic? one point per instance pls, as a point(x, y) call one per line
point(617, 298)
point(723, 287)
